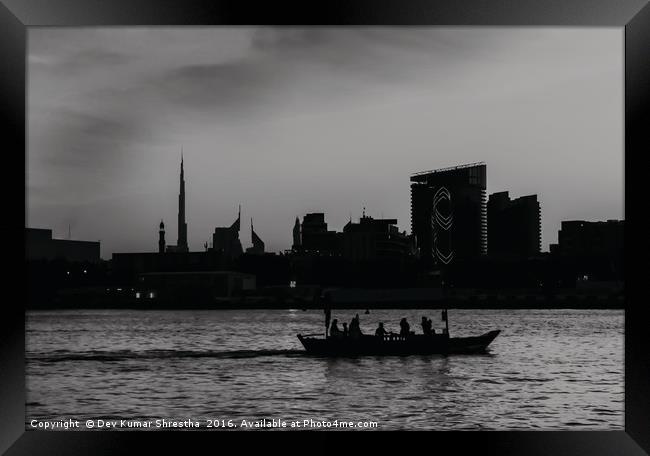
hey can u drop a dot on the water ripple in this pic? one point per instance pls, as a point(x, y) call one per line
point(547, 370)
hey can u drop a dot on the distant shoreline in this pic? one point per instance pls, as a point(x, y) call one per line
point(286, 306)
point(422, 298)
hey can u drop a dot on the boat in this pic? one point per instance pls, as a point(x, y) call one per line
point(392, 344)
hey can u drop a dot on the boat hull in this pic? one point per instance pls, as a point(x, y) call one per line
point(412, 345)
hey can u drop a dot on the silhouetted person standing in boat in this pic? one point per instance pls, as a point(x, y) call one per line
point(335, 332)
point(328, 315)
point(426, 326)
point(405, 328)
point(346, 333)
point(380, 331)
point(444, 318)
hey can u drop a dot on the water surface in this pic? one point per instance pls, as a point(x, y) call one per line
point(547, 370)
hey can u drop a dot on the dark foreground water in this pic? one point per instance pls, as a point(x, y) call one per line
point(549, 369)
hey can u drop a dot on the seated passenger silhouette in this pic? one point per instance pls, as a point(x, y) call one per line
point(335, 332)
point(380, 331)
point(355, 329)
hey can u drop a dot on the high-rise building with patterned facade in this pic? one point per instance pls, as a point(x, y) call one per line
point(449, 213)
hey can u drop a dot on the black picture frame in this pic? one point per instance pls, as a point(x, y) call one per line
point(632, 16)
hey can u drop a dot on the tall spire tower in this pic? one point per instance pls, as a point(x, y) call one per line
point(182, 225)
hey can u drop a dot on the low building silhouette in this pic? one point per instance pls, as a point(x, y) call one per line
point(56, 266)
point(197, 285)
point(269, 269)
point(369, 253)
point(127, 266)
point(594, 250)
point(374, 239)
point(39, 245)
point(316, 238)
point(583, 238)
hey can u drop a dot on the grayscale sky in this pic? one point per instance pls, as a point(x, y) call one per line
point(289, 121)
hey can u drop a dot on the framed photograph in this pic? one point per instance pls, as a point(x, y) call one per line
point(360, 218)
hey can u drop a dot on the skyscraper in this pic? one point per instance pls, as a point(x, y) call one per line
point(181, 245)
point(226, 239)
point(258, 244)
point(513, 225)
point(448, 212)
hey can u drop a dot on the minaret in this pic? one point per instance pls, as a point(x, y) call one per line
point(182, 225)
point(161, 238)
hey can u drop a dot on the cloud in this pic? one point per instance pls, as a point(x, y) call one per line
point(78, 62)
point(215, 87)
point(80, 139)
point(323, 66)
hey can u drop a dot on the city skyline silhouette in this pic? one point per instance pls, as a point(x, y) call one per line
point(290, 122)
